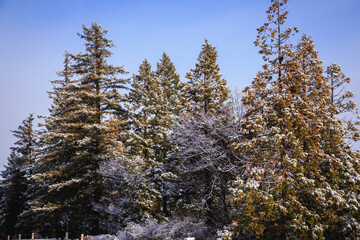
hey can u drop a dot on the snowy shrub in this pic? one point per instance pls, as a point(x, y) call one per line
point(101, 237)
point(172, 230)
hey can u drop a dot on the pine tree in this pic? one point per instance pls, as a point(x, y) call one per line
point(262, 205)
point(206, 89)
point(156, 104)
point(291, 187)
point(342, 169)
point(172, 87)
point(173, 104)
point(15, 184)
point(53, 157)
point(149, 125)
point(79, 136)
point(146, 105)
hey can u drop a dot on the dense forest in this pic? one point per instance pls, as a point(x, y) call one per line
point(151, 156)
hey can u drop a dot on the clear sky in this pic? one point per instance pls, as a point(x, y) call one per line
point(35, 33)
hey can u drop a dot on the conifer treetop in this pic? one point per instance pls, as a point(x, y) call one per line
point(273, 40)
point(206, 89)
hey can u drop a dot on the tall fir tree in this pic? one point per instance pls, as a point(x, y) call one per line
point(206, 90)
point(173, 104)
point(156, 104)
point(147, 132)
point(53, 160)
point(146, 105)
point(79, 136)
point(15, 185)
point(171, 86)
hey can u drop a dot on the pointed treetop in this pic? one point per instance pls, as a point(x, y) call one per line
point(95, 39)
point(206, 89)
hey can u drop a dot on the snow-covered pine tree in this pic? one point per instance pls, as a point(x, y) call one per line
point(156, 103)
point(173, 103)
point(206, 90)
point(261, 192)
point(342, 165)
point(79, 136)
point(52, 160)
point(147, 108)
point(171, 86)
point(14, 184)
point(151, 120)
point(287, 188)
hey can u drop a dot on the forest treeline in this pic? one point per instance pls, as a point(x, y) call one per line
point(149, 156)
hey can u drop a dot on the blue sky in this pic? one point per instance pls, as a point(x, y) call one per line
point(35, 34)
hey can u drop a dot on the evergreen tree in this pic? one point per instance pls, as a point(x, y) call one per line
point(156, 104)
point(173, 105)
point(171, 86)
point(12, 188)
point(291, 188)
point(52, 158)
point(343, 169)
point(341, 99)
point(147, 132)
point(262, 205)
point(14, 184)
point(206, 90)
point(146, 105)
point(79, 136)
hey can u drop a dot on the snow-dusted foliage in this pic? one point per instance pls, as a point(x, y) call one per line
point(101, 237)
point(161, 159)
point(177, 229)
point(206, 90)
point(295, 181)
point(154, 106)
point(131, 195)
point(79, 134)
point(203, 164)
point(342, 100)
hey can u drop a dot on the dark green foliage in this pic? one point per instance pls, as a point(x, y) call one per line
point(77, 138)
point(14, 187)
